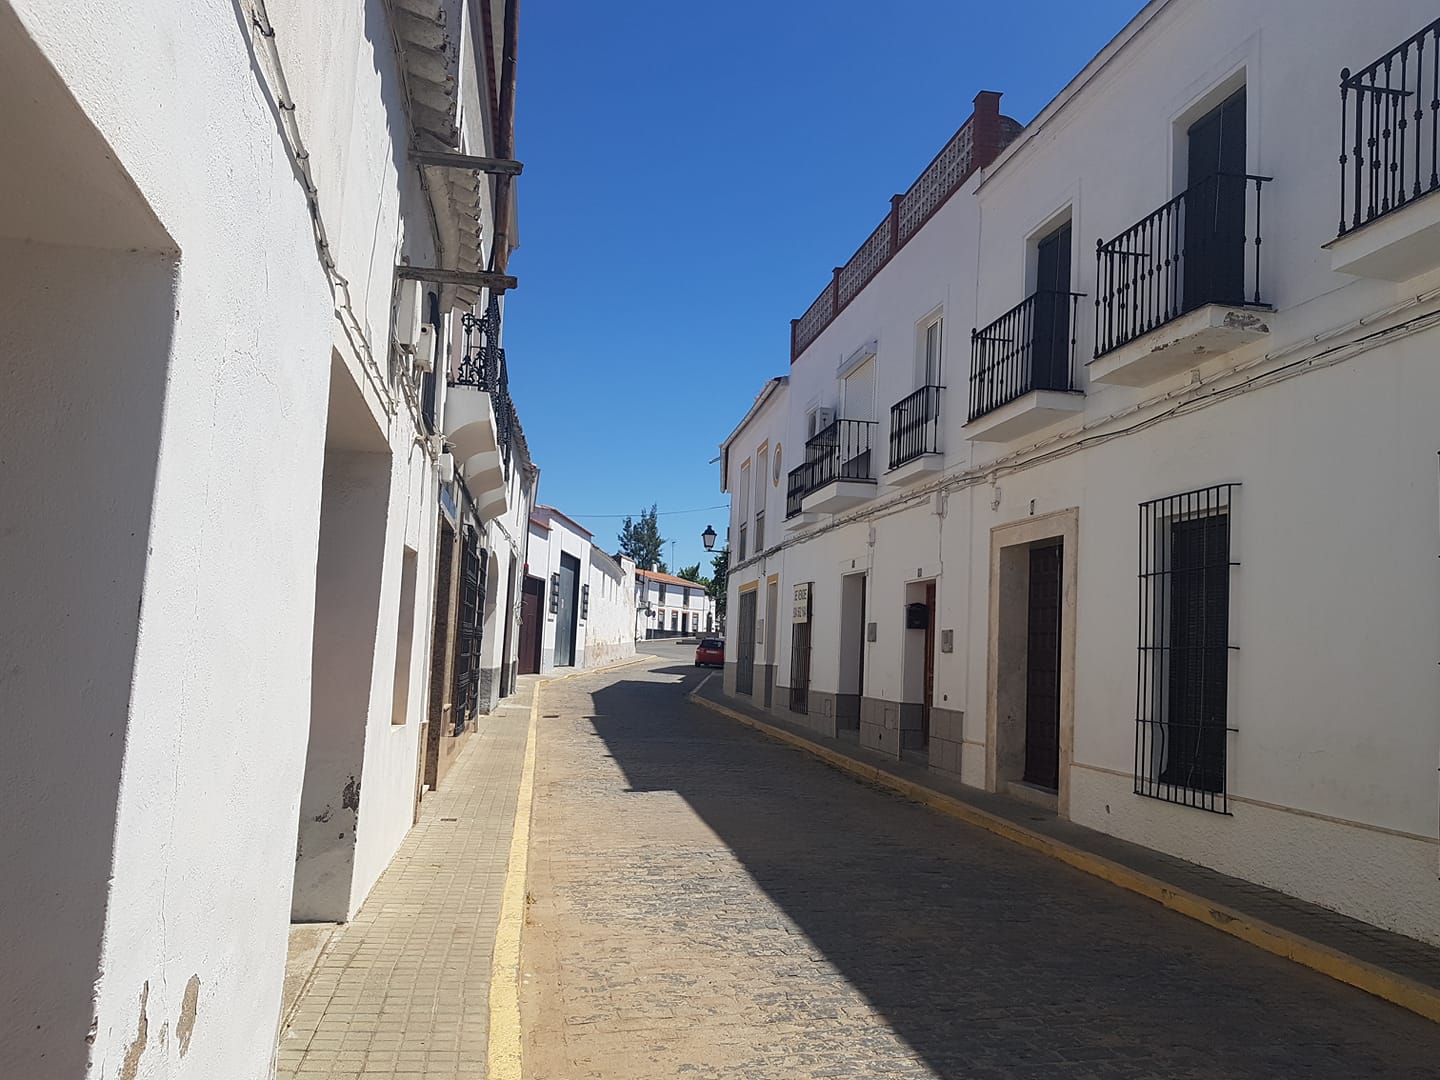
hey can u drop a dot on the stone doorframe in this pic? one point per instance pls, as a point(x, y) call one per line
point(1006, 687)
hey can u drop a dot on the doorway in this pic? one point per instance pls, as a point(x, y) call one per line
point(852, 653)
point(469, 631)
point(532, 598)
point(568, 611)
point(745, 657)
point(1215, 206)
point(927, 701)
point(1030, 702)
point(772, 604)
point(1042, 668)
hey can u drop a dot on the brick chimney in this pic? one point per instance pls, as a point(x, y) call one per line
point(985, 128)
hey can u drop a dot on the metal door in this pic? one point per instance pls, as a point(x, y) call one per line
point(1042, 669)
point(800, 658)
point(568, 613)
point(745, 656)
point(468, 630)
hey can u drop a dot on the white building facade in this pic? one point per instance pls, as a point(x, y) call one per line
point(1093, 527)
point(228, 465)
point(670, 606)
point(579, 602)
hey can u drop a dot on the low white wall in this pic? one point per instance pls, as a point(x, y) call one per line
point(610, 629)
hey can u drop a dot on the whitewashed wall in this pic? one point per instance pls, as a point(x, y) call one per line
point(610, 629)
point(1332, 764)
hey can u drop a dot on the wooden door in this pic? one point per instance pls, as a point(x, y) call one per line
point(1050, 347)
point(1214, 259)
point(745, 658)
point(1042, 668)
point(928, 701)
point(532, 621)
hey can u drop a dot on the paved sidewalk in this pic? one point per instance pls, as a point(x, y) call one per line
point(403, 990)
point(1330, 942)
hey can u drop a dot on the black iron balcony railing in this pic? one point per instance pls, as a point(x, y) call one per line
point(1194, 250)
point(482, 366)
point(842, 452)
point(1030, 347)
point(1390, 136)
point(915, 426)
point(797, 486)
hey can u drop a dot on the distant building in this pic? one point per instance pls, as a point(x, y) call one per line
point(670, 606)
point(579, 602)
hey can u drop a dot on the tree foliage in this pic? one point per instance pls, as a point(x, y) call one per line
point(692, 573)
point(641, 540)
point(721, 566)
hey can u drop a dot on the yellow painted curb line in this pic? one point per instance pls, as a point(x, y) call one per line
point(503, 1053)
point(1395, 988)
point(506, 1040)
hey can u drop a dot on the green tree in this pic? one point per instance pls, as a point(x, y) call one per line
point(641, 540)
point(692, 573)
point(721, 565)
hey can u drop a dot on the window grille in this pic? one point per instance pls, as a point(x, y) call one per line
point(1182, 717)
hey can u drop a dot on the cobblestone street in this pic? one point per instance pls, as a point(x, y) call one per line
point(705, 902)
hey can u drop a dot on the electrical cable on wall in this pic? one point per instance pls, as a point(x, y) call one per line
point(1185, 400)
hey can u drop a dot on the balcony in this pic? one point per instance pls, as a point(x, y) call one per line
point(1020, 369)
point(1389, 138)
point(479, 415)
point(915, 436)
point(1182, 285)
point(838, 471)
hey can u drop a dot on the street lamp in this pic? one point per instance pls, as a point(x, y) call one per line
point(708, 537)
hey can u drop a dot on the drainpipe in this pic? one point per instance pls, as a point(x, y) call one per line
point(505, 137)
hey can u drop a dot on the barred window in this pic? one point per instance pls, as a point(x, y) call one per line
point(1182, 722)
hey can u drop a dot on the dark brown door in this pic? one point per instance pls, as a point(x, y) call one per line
point(929, 699)
point(1050, 352)
point(1042, 669)
point(1215, 206)
point(532, 617)
point(745, 657)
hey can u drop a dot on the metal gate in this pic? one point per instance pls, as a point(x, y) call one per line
point(468, 630)
point(745, 660)
point(800, 668)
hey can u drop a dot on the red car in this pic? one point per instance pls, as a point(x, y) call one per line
point(710, 652)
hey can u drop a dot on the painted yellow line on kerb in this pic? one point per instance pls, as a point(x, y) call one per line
point(1407, 993)
point(505, 1041)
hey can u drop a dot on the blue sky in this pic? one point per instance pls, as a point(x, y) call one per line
point(692, 173)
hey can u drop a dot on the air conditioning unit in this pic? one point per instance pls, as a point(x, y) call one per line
point(410, 314)
point(424, 348)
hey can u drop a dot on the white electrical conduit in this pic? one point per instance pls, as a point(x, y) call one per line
point(1190, 397)
point(339, 286)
